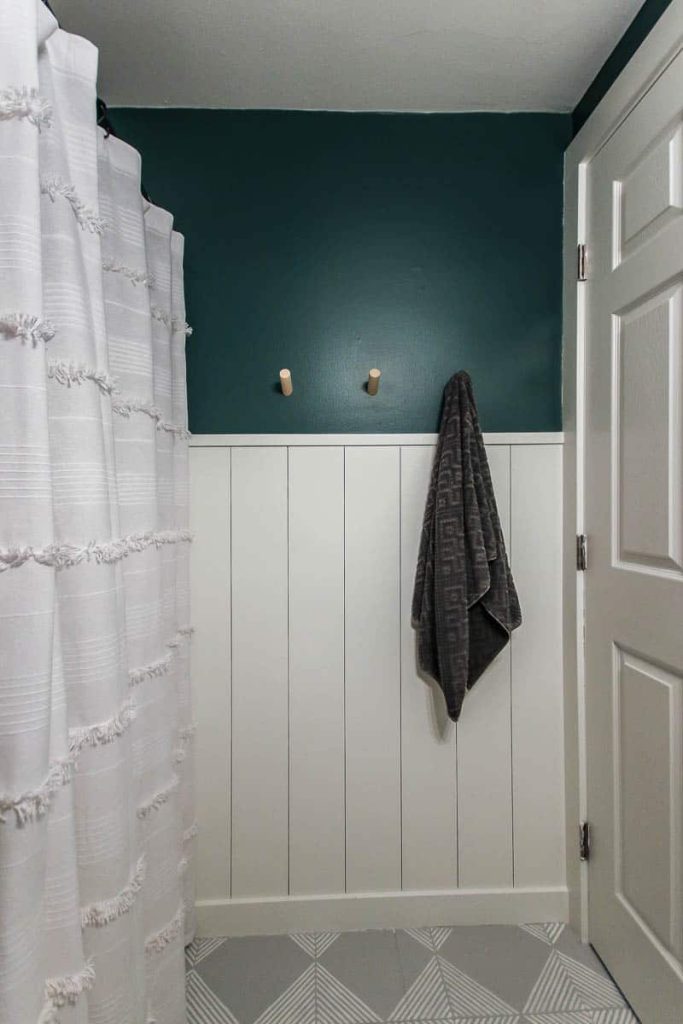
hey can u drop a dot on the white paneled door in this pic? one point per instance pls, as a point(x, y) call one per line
point(634, 583)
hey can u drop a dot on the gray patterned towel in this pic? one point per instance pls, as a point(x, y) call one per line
point(465, 604)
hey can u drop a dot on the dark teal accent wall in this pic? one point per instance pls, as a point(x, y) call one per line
point(331, 243)
point(648, 15)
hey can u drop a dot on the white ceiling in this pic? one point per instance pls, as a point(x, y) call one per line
point(349, 54)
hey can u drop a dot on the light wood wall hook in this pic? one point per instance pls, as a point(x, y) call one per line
point(373, 381)
point(286, 382)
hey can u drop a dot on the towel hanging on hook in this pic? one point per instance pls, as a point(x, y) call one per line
point(465, 604)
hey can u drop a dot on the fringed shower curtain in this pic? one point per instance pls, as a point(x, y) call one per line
point(96, 824)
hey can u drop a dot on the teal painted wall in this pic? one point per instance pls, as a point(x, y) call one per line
point(331, 243)
point(648, 15)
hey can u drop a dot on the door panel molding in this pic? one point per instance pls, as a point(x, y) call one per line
point(647, 455)
point(652, 773)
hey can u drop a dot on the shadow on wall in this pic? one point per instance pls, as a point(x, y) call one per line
point(331, 243)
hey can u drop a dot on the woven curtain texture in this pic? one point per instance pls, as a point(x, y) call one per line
point(96, 818)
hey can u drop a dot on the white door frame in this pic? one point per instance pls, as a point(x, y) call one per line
point(657, 51)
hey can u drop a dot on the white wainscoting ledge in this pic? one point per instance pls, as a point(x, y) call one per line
point(364, 440)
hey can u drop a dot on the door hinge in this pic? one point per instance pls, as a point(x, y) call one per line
point(581, 262)
point(581, 552)
point(584, 840)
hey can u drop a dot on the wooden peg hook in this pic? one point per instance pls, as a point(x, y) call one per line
point(373, 381)
point(286, 382)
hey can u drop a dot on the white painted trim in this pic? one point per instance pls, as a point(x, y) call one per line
point(573, 394)
point(654, 54)
point(349, 440)
point(281, 915)
point(657, 51)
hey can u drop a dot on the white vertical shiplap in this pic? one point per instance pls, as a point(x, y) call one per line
point(210, 597)
point(316, 670)
point(372, 655)
point(484, 747)
point(259, 672)
point(537, 726)
point(344, 771)
point(428, 737)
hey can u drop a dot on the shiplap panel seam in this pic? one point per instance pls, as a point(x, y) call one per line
point(260, 690)
point(346, 677)
point(231, 664)
point(289, 697)
point(512, 654)
point(484, 823)
point(428, 755)
point(211, 668)
point(400, 659)
point(536, 648)
point(316, 679)
point(373, 650)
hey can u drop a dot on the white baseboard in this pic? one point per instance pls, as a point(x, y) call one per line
point(280, 915)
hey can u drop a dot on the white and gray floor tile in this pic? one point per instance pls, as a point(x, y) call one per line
point(533, 974)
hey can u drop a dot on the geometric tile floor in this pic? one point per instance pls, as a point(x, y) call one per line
point(494, 974)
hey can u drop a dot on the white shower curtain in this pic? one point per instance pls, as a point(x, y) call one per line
point(96, 825)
